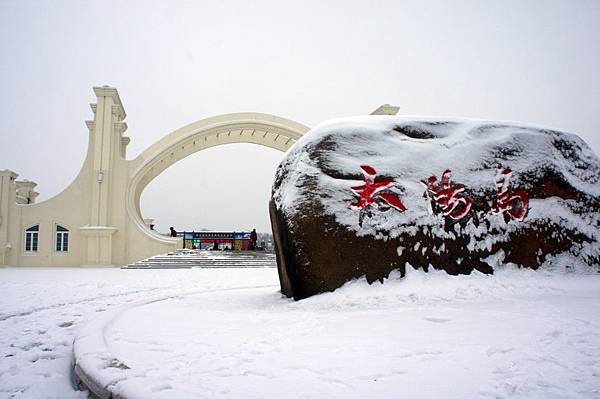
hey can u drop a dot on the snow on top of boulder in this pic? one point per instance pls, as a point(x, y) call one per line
point(326, 164)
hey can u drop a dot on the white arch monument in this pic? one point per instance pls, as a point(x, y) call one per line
point(96, 221)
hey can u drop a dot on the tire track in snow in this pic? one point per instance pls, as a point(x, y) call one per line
point(4, 317)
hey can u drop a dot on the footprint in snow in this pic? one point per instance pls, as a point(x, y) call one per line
point(498, 351)
point(160, 388)
point(436, 319)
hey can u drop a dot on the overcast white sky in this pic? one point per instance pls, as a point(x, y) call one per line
point(178, 62)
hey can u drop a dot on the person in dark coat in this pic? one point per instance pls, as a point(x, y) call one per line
point(173, 232)
point(253, 239)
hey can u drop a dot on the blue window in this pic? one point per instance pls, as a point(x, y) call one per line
point(32, 238)
point(62, 239)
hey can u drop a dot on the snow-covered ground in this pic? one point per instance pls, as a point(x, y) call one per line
point(228, 333)
point(42, 310)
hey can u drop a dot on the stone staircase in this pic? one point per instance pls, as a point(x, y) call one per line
point(185, 259)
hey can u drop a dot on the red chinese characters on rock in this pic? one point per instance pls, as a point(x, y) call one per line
point(444, 196)
point(513, 203)
point(370, 194)
point(447, 196)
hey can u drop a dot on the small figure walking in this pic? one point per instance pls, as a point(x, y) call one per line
point(173, 232)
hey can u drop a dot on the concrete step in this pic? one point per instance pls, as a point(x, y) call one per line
point(185, 259)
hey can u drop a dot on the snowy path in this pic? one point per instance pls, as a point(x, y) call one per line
point(42, 310)
point(518, 334)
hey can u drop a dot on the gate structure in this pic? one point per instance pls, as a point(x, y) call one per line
point(96, 221)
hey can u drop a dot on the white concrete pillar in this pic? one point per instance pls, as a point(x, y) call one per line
point(8, 190)
point(108, 145)
point(99, 245)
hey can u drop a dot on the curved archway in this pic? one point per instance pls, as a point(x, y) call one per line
point(256, 128)
point(102, 204)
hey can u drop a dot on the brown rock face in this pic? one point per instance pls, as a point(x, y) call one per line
point(365, 196)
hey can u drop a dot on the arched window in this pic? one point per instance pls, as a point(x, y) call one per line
point(62, 239)
point(31, 238)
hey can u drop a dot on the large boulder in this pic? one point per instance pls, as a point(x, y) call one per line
point(364, 196)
